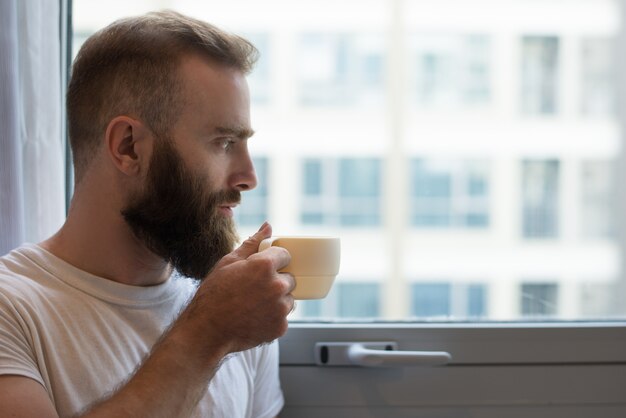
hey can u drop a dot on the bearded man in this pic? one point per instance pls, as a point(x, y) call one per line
point(105, 319)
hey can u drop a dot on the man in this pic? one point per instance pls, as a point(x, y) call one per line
point(93, 322)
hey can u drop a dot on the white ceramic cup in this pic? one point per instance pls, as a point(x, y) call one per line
point(314, 263)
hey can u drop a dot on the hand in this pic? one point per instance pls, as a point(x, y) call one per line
point(244, 301)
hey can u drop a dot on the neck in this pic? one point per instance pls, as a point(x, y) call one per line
point(96, 239)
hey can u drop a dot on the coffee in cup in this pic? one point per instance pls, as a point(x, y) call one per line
point(314, 263)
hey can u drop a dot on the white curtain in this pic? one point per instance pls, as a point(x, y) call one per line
point(32, 185)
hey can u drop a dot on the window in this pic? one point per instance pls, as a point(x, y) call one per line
point(597, 77)
point(598, 199)
point(461, 230)
point(540, 74)
point(253, 210)
point(431, 300)
point(347, 300)
point(340, 69)
point(477, 200)
point(539, 299)
point(260, 79)
point(341, 192)
point(449, 193)
point(451, 70)
point(600, 299)
point(447, 300)
point(540, 190)
point(358, 300)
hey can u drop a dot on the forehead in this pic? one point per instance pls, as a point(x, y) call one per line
point(215, 93)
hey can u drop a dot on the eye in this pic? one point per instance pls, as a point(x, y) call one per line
point(225, 143)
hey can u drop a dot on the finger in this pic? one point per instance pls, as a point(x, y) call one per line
point(278, 256)
point(251, 245)
point(288, 277)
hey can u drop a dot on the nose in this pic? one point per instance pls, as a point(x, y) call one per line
point(243, 176)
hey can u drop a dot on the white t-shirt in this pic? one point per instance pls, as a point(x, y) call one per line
point(81, 336)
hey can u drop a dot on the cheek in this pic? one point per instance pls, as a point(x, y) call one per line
point(212, 174)
point(208, 166)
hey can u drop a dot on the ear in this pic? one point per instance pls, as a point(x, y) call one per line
point(129, 144)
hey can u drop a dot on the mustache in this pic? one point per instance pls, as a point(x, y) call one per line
point(228, 196)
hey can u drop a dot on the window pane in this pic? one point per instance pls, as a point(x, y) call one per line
point(598, 199)
point(451, 70)
point(340, 69)
point(449, 193)
point(540, 198)
point(260, 78)
point(359, 177)
point(598, 77)
point(476, 297)
point(539, 299)
point(540, 72)
point(347, 300)
point(358, 300)
point(310, 308)
point(466, 157)
point(454, 300)
point(312, 177)
point(431, 299)
point(341, 192)
point(253, 209)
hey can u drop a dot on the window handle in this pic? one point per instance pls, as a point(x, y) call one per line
point(375, 354)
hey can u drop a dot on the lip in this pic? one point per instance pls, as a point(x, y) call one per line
point(227, 209)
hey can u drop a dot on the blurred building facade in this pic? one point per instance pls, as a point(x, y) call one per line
point(464, 151)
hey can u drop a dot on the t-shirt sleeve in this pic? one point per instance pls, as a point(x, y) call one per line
point(268, 398)
point(16, 355)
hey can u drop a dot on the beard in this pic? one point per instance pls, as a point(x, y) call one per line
point(177, 218)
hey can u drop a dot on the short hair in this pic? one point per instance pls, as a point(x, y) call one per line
point(130, 68)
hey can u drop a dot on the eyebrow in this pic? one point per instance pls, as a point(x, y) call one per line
point(238, 132)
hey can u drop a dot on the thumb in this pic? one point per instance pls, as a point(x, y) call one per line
point(251, 245)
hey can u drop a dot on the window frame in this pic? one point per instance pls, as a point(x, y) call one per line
point(579, 350)
point(498, 369)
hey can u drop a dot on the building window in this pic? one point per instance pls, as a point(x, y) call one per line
point(540, 197)
point(358, 300)
point(430, 299)
point(451, 70)
point(598, 199)
point(345, 300)
point(447, 193)
point(462, 300)
point(598, 78)
point(539, 299)
point(310, 308)
point(600, 299)
point(341, 192)
point(476, 300)
point(253, 210)
point(540, 68)
point(480, 119)
point(260, 78)
point(340, 69)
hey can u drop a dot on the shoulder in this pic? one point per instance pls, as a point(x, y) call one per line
point(18, 272)
point(24, 280)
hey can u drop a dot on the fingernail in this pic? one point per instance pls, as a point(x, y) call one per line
point(263, 226)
